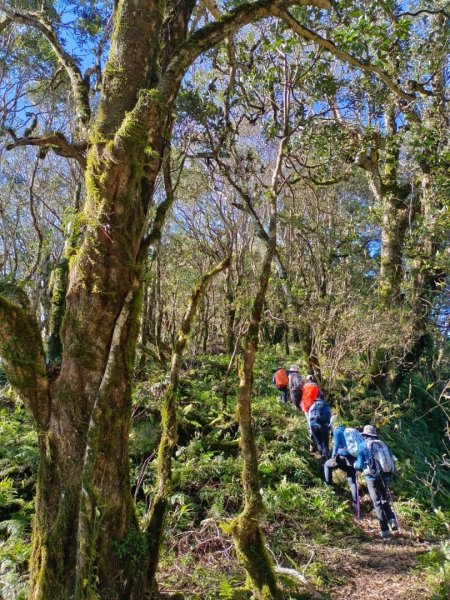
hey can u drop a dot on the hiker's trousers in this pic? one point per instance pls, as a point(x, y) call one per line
point(378, 491)
point(345, 463)
point(296, 396)
point(320, 435)
point(284, 393)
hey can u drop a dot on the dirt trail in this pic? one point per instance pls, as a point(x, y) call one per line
point(376, 569)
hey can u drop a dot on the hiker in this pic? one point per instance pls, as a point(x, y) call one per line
point(376, 462)
point(295, 386)
point(343, 456)
point(309, 396)
point(281, 381)
point(319, 422)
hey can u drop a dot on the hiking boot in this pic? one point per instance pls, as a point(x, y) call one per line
point(393, 524)
point(386, 535)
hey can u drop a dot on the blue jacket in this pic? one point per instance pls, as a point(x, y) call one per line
point(363, 460)
point(339, 443)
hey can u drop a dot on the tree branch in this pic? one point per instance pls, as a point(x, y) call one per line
point(154, 236)
point(423, 11)
point(307, 34)
point(55, 141)
point(152, 103)
point(4, 24)
point(210, 35)
point(294, 574)
point(79, 86)
point(22, 353)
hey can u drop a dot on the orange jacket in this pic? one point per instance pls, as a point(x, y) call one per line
point(309, 395)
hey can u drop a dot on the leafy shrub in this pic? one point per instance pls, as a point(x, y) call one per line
point(436, 567)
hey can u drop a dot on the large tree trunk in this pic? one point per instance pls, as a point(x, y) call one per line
point(85, 533)
point(397, 214)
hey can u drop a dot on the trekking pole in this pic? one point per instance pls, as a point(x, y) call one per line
point(390, 497)
point(391, 500)
point(357, 503)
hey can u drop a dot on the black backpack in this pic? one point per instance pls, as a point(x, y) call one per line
point(320, 412)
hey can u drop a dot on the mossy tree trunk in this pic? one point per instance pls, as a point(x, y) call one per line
point(58, 287)
point(230, 311)
point(86, 540)
point(155, 520)
point(245, 529)
point(398, 213)
point(428, 273)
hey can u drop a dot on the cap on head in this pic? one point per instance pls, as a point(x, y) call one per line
point(294, 368)
point(370, 431)
point(309, 378)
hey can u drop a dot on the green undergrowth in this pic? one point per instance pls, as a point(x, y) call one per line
point(304, 519)
point(302, 514)
point(18, 463)
point(435, 566)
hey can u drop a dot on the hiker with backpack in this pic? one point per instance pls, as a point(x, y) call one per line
point(376, 462)
point(346, 442)
point(295, 386)
point(281, 381)
point(319, 423)
point(310, 394)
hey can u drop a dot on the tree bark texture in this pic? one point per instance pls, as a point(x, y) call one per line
point(58, 288)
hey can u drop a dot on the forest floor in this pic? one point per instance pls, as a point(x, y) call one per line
point(378, 569)
point(357, 567)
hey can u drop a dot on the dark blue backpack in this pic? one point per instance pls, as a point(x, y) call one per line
point(320, 412)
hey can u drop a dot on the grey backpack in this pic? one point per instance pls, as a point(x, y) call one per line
point(381, 461)
point(295, 380)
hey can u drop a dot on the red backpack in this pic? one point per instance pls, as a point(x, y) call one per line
point(309, 396)
point(281, 378)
